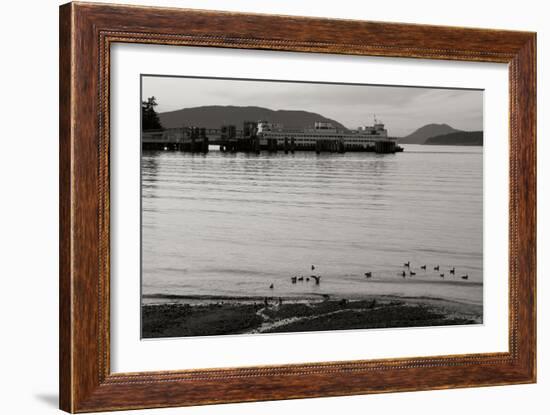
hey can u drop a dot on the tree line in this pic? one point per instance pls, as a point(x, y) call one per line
point(149, 117)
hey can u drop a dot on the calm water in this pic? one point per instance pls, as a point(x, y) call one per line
point(232, 224)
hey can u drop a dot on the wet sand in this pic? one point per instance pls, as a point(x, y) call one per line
point(176, 316)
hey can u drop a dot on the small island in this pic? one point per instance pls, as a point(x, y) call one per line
point(443, 135)
point(461, 138)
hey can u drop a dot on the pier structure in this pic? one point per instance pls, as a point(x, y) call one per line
point(264, 136)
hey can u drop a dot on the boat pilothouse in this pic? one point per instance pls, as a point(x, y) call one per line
point(324, 136)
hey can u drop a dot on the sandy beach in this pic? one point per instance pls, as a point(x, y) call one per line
point(177, 316)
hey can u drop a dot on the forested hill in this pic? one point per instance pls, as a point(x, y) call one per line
point(215, 116)
point(427, 131)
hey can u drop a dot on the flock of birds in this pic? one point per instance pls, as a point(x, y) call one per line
point(317, 278)
point(301, 278)
point(452, 271)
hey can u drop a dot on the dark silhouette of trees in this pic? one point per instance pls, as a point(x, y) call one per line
point(149, 117)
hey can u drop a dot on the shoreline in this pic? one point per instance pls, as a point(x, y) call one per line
point(184, 316)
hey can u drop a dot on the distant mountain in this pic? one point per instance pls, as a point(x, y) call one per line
point(462, 138)
point(423, 133)
point(215, 116)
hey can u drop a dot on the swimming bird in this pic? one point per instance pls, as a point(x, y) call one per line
point(293, 279)
point(407, 264)
point(436, 268)
point(301, 278)
point(307, 278)
point(403, 274)
point(412, 273)
point(442, 275)
point(368, 274)
point(271, 286)
point(452, 271)
point(312, 267)
point(464, 277)
point(317, 279)
point(423, 267)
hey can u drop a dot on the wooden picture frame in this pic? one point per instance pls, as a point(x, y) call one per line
point(86, 33)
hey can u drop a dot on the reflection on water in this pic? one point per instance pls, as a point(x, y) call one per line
point(232, 224)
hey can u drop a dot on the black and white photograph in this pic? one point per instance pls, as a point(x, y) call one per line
point(276, 206)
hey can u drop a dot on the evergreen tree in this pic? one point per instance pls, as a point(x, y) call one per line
point(149, 117)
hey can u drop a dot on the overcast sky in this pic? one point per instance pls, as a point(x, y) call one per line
point(402, 109)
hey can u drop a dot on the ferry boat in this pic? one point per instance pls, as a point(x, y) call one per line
point(325, 137)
